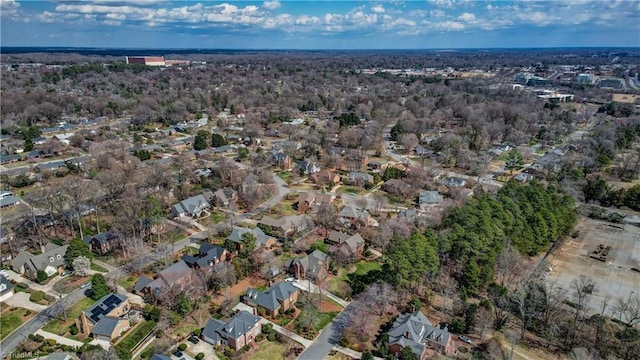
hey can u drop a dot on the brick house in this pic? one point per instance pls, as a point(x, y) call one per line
point(102, 243)
point(237, 332)
point(325, 177)
point(279, 297)
point(417, 332)
point(313, 266)
point(106, 320)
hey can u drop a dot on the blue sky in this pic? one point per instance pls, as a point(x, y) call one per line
point(275, 24)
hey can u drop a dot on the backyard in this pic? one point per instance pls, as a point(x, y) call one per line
point(337, 283)
point(268, 351)
point(11, 318)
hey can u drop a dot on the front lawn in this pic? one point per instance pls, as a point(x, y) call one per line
point(364, 267)
point(58, 327)
point(124, 346)
point(285, 175)
point(98, 268)
point(128, 282)
point(268, 351)
point(353, 190)
point(11, 318)
point(319, 321)
point(217, 216)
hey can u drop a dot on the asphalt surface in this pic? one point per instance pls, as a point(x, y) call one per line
point(11, 342)
point(324, 343)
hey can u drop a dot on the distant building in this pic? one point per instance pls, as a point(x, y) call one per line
point(146, 60)
point(611, 83)
point(585, 78)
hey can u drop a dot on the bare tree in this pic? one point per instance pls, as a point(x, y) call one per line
point(325, 216)
point(81, 266)
point(628, 310)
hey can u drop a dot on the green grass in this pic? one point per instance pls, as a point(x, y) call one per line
point(134, 337)
point(98, 268)
point(217, 216)
point(320, 319)
point(285, 175)
point(268, 351)
point(185, 329)
point(10, 320)
point(353, 189)
point(364, 267)
point(61, 327)
point(190, 250)
point(262, 287)
point(127, 282)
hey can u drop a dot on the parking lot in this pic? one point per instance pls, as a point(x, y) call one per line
point(612, 276)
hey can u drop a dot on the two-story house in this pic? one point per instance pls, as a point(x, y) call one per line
point(325, 177)
point(313, 266)
point(287, 225)
point(279, 297)
point(417, 332)
point(262, 239)
point(193, 206)
point(237, 332)
point(311, 201)
point(345, 246)
point(51, 260)
point(106, 320)
point(103, 243)
point(208, 256)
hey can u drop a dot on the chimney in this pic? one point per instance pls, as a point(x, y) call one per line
point(42, 248)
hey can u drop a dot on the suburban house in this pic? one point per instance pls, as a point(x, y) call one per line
point(349, 246)
point(102, 243)
point(359, 179)
point(208, 256)
point(428, 198)
point(51, 260)
point(454, 182)
point(286, 145)
point(107, 319)
point(417, 332)
point(350, 216)
point(307, 167)
point(312, 201)
point(313, 266)
point(6, 289)
point(281, 160)
point(262, 239)
point(224, 197)
point(237, 332)
point(325, 177)
point(279, 297)
point(9, 201)
point(193, 206)
point(175, 277)
point(287, 225)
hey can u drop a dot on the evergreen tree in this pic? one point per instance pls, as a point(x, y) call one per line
point(200, 142)
point(28, 145)
point(514, 161)
point(77, 247)
point(99, 287)
point(218, 140)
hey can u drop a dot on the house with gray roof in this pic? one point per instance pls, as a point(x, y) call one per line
point(262, 239)
point(193, 206)
point(224, 197)
point(428, 198)
point(208, 256)
point(50, 260)
point(416, 332)
point(107, 319)
point(313, 266)
point(6, 289)
point(307, 167)
point(350, 248)
point(103, 242)
point(286, 225)
point(237, 332)
point(175, 278)
point(352, 217)
point(9, 201)
point(359, 179)
point(279, 297)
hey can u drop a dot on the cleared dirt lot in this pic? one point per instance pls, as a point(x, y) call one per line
point(614, 275)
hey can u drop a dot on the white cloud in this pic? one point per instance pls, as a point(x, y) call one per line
point(9, 4)
point(379, 9)
point(436, 13)
point(278, 21)
point(307, 20)
point(467, 17)
point(271, 4)
point(116, 16)
point(449, 26)
point(441, 3)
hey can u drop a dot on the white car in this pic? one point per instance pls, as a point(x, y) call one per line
point(4, 273)
point(290, 279)
point(465, 339)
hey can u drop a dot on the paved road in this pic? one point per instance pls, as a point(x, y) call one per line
point(9, 344)
point(325, 342)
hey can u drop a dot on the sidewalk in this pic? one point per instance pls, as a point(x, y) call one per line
point(104, 265)
point(290, 334)
point(59, 339)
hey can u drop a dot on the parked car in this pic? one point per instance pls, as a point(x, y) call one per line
point(465, 339)
point(84, 285)
point(194, 340)
point(290, 279)
point(177, 353)
point(4, 273)
point(66, 273)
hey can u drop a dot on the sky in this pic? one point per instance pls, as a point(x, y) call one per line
point(316, 24)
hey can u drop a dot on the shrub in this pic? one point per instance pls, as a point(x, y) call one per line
point(73, 330)
point(182, 347)
point(197, 332)
point(41, 276)
point(36, 296)
point(246, 348)
point(27, 313)
point(290, 311)
point(200, 356)
point(49, 298)
point(456, 326)
point(260, 337)
point(463, 349)
point(50, 342)
point(229, 352)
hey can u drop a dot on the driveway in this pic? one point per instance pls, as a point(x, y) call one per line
point(325, 342)
point(202, 347)
point(21, 299)
point(59, 339)
point(288, 333)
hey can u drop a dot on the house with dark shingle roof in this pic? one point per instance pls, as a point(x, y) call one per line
point(107, 319)
point(417, 332)
point(208, 256)
point(279, 297)
point(192, 206)
point(102, 243)
point(428, 198)
point(349, 248)
point(262, 239)
point(286, 225)
point(50, 260)
point(312, 266)
point(176, 277)
point(237, 332)
point(6, 289)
